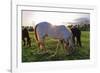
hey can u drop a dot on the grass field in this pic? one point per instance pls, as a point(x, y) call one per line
point(29, 54)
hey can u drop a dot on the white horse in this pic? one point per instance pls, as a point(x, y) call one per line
point(60, 32)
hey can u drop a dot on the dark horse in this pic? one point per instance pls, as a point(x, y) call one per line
point(76, 35)
point(25, 37)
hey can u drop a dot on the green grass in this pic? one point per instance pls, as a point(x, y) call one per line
point(30, 54)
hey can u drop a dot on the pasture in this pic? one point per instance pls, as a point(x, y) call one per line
point(30, 54)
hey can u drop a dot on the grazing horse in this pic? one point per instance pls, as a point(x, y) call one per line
point(25, 35)
point(63, 34)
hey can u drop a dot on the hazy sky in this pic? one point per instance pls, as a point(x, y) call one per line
point(31, 18)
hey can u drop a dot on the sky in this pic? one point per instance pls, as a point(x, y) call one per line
point(31, 18)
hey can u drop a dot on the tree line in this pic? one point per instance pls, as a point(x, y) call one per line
point(83, 27)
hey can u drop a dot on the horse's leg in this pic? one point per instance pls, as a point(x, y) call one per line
point(29, 41)
point(42, 45)
point(71, 46)
point(23, 41)
point(56, 48)
point(79, 41)
point(63, 44)
point(73, 37)
point(66, 48)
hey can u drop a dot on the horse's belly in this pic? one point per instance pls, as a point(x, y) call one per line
point(55, 35)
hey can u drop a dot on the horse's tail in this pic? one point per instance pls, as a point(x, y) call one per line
point(36, 37)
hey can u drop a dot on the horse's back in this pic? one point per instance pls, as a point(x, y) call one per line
point(43, 26)
point(65, 31)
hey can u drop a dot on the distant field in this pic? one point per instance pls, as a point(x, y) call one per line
point(29, 54)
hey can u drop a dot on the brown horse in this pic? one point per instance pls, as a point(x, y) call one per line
point(25, 35)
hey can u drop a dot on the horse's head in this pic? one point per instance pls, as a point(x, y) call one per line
point(69, 46)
